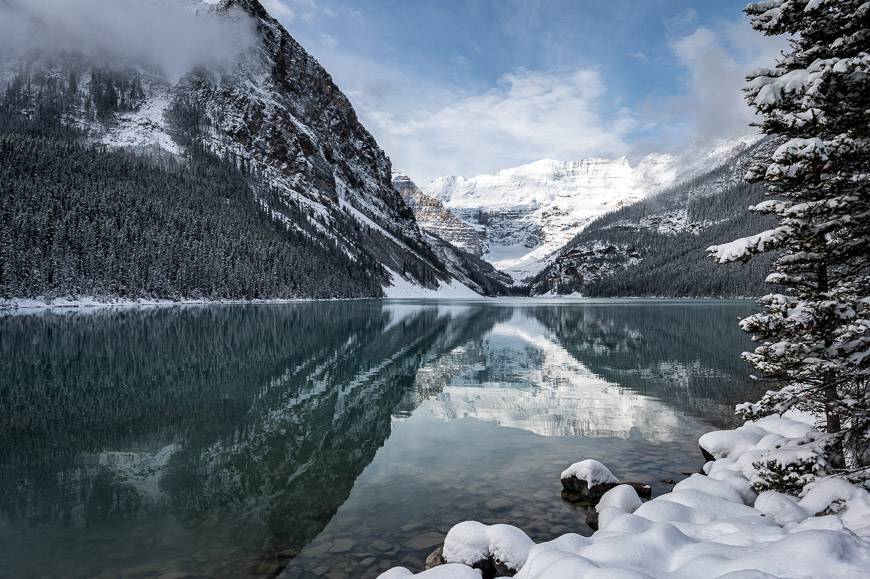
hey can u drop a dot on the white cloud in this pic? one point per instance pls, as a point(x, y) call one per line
point(529, 115)
point(716, 63)
point(289, 11)
point(170, 36)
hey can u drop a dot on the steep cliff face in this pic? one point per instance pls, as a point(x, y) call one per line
point(273, 111)
point(456, 243)
point(300, 125)
point(279, 108)
point(434, 218)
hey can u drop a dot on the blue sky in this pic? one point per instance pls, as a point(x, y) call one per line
point(466, 87)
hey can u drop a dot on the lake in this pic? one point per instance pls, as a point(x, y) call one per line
point(337, 439)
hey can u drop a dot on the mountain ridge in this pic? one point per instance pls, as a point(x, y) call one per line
point(530, 212)
point(272, 112)
point(656, 247)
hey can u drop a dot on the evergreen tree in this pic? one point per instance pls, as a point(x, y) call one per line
point(815, 336)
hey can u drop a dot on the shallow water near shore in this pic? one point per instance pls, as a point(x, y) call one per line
point(337, 439)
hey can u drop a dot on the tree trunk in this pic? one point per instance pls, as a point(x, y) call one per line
point(832, 416)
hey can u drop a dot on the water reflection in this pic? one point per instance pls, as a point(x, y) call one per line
point(221, 441)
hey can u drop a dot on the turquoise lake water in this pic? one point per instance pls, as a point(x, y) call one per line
point(337, 439)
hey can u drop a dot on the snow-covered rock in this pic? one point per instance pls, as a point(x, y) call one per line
point(476, 544)
point(617, 501)
point(433, 217)
point(590, 471)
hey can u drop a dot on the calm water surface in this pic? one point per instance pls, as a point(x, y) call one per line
point(336, 439)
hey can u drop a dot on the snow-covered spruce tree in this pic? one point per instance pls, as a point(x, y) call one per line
point(815, 336)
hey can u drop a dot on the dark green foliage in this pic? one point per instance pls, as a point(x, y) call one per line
point(114, 91)
point(790, 478)
point(76, 219)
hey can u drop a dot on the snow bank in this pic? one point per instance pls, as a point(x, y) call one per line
point(622, 497)
point(449, 571)
point(708, 526)
point(404, 289)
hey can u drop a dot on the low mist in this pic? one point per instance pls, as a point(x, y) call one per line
point(171, 35)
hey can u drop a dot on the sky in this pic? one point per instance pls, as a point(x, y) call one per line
point(451, 87)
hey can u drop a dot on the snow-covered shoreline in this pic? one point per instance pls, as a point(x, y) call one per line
point(722, 523)
point(90, 302)
point(101, 302)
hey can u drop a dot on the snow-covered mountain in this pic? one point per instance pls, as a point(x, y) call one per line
point(528, 213)
point(656, 246)
point(269, 109)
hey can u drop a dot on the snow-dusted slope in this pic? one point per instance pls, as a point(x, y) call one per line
point(529, 212)
point(433, 217)
point(269, 107)
point(655, 247)
point(456, 243)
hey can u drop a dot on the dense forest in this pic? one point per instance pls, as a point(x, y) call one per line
point(78, 219)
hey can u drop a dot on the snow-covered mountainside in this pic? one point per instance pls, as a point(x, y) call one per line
point(656, 246)
point(271, 111)
point(456, 243)
point(434, 218)
point(528, 213)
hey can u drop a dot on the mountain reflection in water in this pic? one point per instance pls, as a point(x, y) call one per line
point(224, 440)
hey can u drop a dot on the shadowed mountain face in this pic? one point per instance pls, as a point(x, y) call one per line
point(282, 171)
point(224, 440)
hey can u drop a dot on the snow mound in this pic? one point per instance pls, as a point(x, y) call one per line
point(591, 471)
point(708, 526)
point(622, 497)
point(448, 571)
point(471, 542)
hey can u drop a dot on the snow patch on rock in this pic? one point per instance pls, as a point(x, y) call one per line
point(401, 288)
point(591, 471)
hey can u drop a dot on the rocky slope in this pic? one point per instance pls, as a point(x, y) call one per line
point(456, 243)
point(270, 110)
point(656, 247)
point(434, 218)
